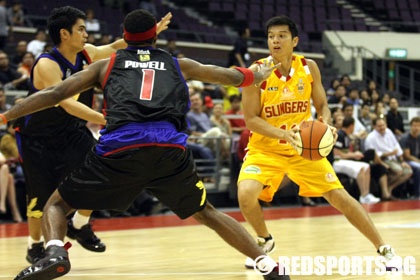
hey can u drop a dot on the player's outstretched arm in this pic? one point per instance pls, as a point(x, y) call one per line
point(48, 97)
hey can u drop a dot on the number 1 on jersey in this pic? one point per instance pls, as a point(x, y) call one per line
point(147, 84)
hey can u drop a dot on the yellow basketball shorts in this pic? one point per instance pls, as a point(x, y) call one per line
point(314, 178)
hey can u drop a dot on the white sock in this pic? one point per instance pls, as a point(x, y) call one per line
point(55, 242)
point(33, 241)
point(79, 220)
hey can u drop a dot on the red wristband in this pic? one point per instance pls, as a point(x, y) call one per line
point(248, 76)
point(3, 118)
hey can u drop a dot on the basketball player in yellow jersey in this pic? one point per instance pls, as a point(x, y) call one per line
point(273, 111)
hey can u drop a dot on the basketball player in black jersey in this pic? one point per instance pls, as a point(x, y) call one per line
point(143, 145)
point(54, 141)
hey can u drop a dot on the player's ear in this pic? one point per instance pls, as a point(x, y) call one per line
point(295, 41)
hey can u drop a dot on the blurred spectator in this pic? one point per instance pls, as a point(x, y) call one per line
point(375, 97)
point(386, 145)
point(4, 25)
point(105, 39)
point(366, 116)
point(7, 191)
point(333, 87)
point(365, 97)
point(339, 96)
point(150, 6)
point(239, 55)
point(346, 82)
point(371, 85)
point(28, 61)
point(36, 46)
point(9, 77)
point(410, 143)
point(4, 106)
point(337, 118)
point(394, 119)
point(15, 14)
point(360, 130)
point(386, 98)
point(201, 127)
point(235, 114)
point(353, 97)
point(347, 160)
point(379, 109)
point(92, 24)
point(17, 55)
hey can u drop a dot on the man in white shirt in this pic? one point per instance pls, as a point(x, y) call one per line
point(36, 46)
point(386, 145)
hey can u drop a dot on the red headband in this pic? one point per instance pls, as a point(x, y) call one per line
point(142, 36)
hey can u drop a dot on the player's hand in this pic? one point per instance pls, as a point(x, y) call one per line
point(333, 129)
point(291, 136)
point(266, 68)
point(163, 23)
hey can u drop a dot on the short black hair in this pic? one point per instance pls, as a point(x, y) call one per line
point(139, 21)
point(348, 121)
point(63, 17)
point(282, 20)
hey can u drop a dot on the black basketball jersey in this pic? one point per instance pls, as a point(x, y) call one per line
point(144, 85)
point(54, 121)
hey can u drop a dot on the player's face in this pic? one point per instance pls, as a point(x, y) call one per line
point(79, 35)
point(280, 41)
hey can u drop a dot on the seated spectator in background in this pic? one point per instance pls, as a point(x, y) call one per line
point(219, 120)
point(333, 87)
point(235, 115)
point(375, 97)
point(386, 98)
point(354, 98)
point(7, 191)
point(25, 67)
point(15, 14)
point(10, 78)
point(339, 96)
point(394, 119)
point(366, 116)
point(410, 143)
point(36, 46)
point(360, 130)
point(348, 161)
point(92, 24)
point(386, 145)
point(17, 55)
point(337, 118)
point(365, 97)
point(201, 128)
point(346, 82)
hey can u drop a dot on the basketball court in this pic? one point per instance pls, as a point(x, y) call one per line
point(164, 247)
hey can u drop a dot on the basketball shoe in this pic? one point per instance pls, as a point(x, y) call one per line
point(266, 244)
point(35, 253)
point(85, 237)
point(55, 264)
point(390, 259)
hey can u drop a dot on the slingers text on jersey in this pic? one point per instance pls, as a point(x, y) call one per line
point(288, 107)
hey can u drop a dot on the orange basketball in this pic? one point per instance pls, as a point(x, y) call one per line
point(315, 140)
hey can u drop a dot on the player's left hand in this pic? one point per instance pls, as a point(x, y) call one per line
point(163, 23)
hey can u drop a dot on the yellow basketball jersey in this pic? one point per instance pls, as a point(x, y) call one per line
point(285, 103)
